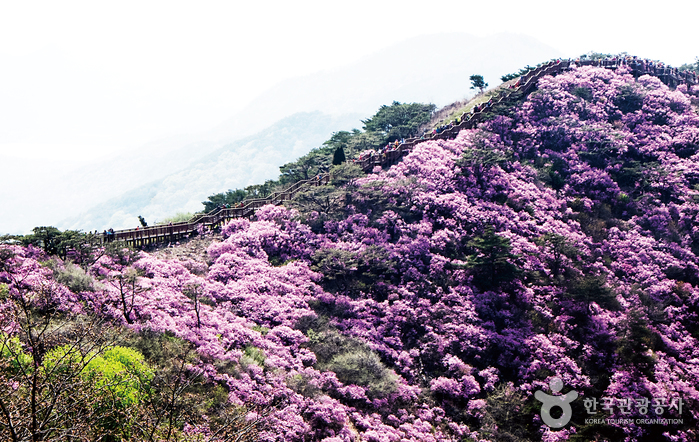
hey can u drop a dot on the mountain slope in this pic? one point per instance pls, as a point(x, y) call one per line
point(431, 300)
point(556, 241)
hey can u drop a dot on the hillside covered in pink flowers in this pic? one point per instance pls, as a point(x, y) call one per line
point(424, 302)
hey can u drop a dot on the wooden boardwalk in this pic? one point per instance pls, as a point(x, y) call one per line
point(144, 236)
point(526, 84)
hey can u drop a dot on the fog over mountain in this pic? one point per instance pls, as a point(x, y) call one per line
point(251, 160)
point(171, 175)
point(430, 68)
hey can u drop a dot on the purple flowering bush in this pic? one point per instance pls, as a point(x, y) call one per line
point(431, 300)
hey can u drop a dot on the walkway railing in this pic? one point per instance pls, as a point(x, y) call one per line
point(525, 85)
point(172, 232)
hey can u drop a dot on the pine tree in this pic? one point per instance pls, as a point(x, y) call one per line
point(491, 264)
point(339, 156)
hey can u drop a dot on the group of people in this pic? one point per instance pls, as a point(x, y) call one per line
point(516, 84)
point(392, 147)
point(365, 155)
point(228, 206)
point(437, 130)
point(108, 235)
point(480, 107)
point(383, 153)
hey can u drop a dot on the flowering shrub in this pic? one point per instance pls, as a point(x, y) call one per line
point(429, 301)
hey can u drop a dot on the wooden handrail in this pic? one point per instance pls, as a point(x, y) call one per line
point(247, 208)
point(525, 85)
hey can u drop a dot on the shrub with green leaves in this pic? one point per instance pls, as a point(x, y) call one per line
point(353, 362)
point(123, 372)
point(253, 355)
point(73, 277)
point(117, 379)
point(12, 355)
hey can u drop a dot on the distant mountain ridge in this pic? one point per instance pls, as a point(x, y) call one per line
point(241, 163)
point(431, 68)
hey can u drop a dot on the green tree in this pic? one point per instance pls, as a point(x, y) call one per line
point(399, 120)
point(258, 191)
point(335, 265)
point(479, 159)
point(344, 139)
point(82, 248)
point(46, 237)
point(559, 247)
point(339, 156)
point(491, 263)
point(328, 201)
point(231, 197)
point(305, 167)
point(340, 139)
point(592, 288)
point(344, 174)
point(362, 141)
point(508, 416)
point(477, 82)
point(634, 341)
point(630, 99)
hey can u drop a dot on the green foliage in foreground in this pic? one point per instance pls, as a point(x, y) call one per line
point(123, 371)
point(101, 385)
point(86, 388)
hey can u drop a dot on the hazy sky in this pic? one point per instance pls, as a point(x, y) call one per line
point(89, 78)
